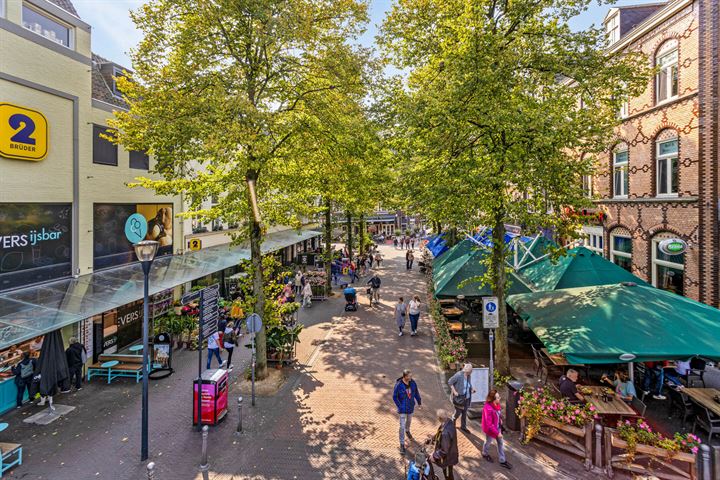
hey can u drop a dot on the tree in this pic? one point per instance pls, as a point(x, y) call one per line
point(220, 94)
point(500, 98)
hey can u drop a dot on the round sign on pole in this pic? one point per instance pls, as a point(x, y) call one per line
point(254, 323)
point(673, 246)
point(136, 228)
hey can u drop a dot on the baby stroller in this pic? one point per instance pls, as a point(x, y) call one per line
point(351, 303)
point(422, 468)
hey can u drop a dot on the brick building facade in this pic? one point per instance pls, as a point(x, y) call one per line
point(660, 177)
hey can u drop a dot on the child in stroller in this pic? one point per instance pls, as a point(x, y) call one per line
point(422, 468)
point(351, 304)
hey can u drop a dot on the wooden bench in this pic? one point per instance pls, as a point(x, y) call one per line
point(128, 366)
point(11, 456)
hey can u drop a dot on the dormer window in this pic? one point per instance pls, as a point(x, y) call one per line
point(47, 26)
point(612, 28)
point(117, 72)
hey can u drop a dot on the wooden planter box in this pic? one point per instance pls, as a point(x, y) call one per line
point(574, 440)
point(648, 459)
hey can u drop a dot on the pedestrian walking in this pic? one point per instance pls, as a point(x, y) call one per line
point(405, 395)
point(230, 341)
point(307, 295)
point(400, 315)
point(462, 390)
point(76, 356)
point(395, 242)
point(353, 273)
point(378, 259)
point(371, 259)
point(414, 314)
point(492, 427)
point(335, 270)
point(298, 283)
point(214, 349)
point(24, 372)
point(409, 259)
point(412, 242)
point(446, 454)
point(374, 283)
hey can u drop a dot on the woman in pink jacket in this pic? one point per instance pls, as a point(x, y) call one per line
point(491, 425)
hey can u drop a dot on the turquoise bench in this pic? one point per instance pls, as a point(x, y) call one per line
point(114, 369)
point(11, 456)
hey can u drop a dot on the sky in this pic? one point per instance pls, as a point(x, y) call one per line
point(114, 33)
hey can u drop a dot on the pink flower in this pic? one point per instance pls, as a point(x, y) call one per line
point(694, 450)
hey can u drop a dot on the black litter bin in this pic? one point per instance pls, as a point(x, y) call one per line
point(512, 421)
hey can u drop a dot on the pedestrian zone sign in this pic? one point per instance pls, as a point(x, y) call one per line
point(490, 312)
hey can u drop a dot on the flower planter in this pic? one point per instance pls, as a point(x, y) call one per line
point(577, 441)
point(646, 459)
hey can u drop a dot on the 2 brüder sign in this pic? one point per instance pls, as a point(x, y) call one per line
point(23, 133)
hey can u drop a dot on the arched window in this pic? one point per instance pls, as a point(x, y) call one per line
point(666, 155)
point(668, 271)
point(621, 248)
point(666, 79)
point(621, 176)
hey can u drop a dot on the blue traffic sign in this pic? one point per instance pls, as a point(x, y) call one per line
point(490, 307)
point(136, 228)
point(254, 323)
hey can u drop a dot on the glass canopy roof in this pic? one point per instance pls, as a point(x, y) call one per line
point(28, 312)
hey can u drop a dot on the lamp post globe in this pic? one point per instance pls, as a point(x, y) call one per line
point(145, 251)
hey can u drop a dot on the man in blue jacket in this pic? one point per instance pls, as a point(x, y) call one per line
point(405, 395)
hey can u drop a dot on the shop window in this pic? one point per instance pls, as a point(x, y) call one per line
point(666, 80)
point(43, 24)
point(621, 251)
point(104, 151)
point(620, 173)
point(139, 160)
point(668, 271)
point(667, 167)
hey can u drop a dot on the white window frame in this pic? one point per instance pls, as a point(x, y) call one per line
point(2, 8)
point(668, 157)
point(117, 71)
point(612, 28)
point(618, 253)
point(587, 185)
point(655, 261)
point(594, 239)
point(71, 29)
point(668, 51)
point(625, 177)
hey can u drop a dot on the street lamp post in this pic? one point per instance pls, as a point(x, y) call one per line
point(145, 251)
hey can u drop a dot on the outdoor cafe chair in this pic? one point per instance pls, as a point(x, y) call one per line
point(681, 402)
point(639, 406)
point(706, 421)
point(696, 372)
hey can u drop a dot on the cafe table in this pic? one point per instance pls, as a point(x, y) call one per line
point(559, 360)
point(451, 311)
point(616, 405)
point(704, 397)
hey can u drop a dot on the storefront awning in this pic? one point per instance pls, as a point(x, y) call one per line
point(28, 312)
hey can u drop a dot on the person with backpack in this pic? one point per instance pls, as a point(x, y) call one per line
point(405, 395)
point(24, 372)
point(213, 345)
point(492, 427)
point(230, 341)
point(446, 454)
point(76, 356)
point(374, 283)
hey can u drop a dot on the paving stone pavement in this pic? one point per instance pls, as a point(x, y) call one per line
point(333, 419)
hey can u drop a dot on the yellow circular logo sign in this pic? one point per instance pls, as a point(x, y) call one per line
point(23, 133)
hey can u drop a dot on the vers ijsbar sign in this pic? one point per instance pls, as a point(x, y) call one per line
point(673, 246)
point(23, 133)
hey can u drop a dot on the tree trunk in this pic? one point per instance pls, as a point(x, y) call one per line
point(362, 234)
point(328, 247)
point(258, 283)
point(451, 237)
point(349, 245)
point(499, 280)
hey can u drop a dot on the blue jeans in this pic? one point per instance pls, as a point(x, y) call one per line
point(657, 373)
point(211, 352)
point(414, 321)
point(500, 447)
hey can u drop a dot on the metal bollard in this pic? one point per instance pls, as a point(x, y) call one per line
point(598, 445)
point(151, 471)
point(703, 460)
point(239, 427)
point(204, 467)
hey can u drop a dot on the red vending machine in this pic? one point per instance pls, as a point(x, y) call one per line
point(214, 395)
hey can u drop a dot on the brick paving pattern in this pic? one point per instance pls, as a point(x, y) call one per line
point(333, 419)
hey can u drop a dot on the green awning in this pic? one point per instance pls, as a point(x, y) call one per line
point(581, 267)
point(461, 248)
point(599, 324)
point(448, 278)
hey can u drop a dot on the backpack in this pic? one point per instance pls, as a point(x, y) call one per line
point(26, 369)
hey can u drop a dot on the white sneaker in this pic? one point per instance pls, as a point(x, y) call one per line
point(42, 402)
point(659, 397)
point(400, 335)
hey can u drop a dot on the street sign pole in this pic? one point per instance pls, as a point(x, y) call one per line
point(253, 370)
point(199, 379)
point(254, 324)
point(492, 358)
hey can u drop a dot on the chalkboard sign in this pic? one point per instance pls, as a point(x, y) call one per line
point(480, 381)
point(209, 314)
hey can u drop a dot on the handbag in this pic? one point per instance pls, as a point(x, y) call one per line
point(459, 400)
